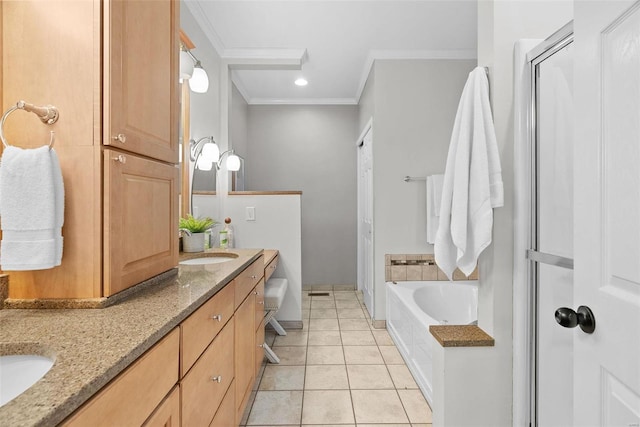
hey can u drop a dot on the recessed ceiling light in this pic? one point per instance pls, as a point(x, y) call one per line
point(301, 82)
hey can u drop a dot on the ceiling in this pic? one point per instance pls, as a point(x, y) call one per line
point(334, 41)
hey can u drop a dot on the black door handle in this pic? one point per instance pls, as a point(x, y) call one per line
point(570, 319)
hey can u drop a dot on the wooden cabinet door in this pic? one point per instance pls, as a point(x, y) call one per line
point(140, 219)
point(258, 291)
point(141, 81)
point(167, 414)
point(245, 353)
point(206, 384)
point(133, 396)
point(226, 415)
point(259, 346)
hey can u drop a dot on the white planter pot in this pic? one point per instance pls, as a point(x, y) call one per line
point(193, 242)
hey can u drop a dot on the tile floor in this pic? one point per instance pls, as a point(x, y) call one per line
point(337, 370)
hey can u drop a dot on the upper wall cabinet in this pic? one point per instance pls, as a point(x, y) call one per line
point(142, 92)
point(110, 67)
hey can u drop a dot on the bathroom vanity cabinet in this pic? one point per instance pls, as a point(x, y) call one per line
point(111, 68)
point(200, 374)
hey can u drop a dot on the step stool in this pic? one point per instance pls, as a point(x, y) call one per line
point(274, 291)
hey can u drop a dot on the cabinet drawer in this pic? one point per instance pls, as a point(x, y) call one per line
point(271, 267)
point(132, 396)
point(225, 417)
point(168, 413)
point(259, 293)
point(207, 382)
point(199, 329)
point(248, 279)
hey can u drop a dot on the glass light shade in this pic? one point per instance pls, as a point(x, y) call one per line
point(203, 164)
point(233, 163)
point(186, 65)
point(199, 81)
point(211, 152)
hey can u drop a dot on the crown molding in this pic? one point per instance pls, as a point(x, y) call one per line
point(303, 101)
point(408, 54)
point(207, 27)
point(237, 81)
point(265, 59)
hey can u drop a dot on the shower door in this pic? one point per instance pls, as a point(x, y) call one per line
point(550, 253)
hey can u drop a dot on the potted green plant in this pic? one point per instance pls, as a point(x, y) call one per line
point(193, 231)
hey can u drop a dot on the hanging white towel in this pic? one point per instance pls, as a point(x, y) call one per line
point(472, 184)
point(434, 192)
point(31, 209)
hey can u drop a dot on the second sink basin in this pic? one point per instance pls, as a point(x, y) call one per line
point(209, 259)
point(19, 372)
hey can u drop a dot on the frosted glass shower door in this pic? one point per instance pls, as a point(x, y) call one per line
point(551, 251)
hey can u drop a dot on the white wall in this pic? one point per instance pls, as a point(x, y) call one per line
point(500, 25)
point(413, 103)
point(312, 149)
point(277, 225)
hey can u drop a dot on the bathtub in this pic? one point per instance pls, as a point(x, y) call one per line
point(413, 306)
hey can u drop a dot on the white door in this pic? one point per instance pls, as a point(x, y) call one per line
point(365, 219)
point(607, 211)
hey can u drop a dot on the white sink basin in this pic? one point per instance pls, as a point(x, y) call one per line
point(207, 260)
point(19, 372)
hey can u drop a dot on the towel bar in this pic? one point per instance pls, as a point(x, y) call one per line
point(48, 114)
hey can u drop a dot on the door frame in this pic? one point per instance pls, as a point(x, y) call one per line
point(360, 250)
point(528, 53)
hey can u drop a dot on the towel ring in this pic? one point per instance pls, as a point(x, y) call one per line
point(47, 114)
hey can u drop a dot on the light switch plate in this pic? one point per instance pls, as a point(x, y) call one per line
point(251, 213)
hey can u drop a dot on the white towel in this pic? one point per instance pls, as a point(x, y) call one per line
point(472, 181)
point(31, 209)
point(434, 193)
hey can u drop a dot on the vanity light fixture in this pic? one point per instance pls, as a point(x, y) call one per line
point(199, 81)
point(186, 63)
point(301, 82)
point(192, 70)
point(233, 161)
point(205, 152)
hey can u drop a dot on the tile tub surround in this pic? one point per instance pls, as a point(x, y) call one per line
point(344, 372)
point(91, 347)
point(416, 267)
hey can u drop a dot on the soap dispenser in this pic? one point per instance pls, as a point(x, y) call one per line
point(229, 229)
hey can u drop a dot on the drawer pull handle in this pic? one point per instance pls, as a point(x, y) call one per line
point(121, 137)
point(120, 158)
point(261, 302)
point(217, 379)
point(254, 276)
point(274, 266)
point(256, 293)
point(261, 345)
point(217, 317)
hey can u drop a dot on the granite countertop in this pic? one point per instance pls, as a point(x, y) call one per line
point(92, 346)
point(461, 336)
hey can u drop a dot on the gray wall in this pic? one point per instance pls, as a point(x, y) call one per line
point(500, 25)
point(312, 149)
point(205, 107)
point(238, 132)
point(413, 103)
